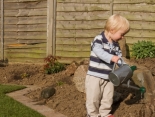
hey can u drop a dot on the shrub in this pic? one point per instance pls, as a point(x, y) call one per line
point(143, 49)
point(52, 65)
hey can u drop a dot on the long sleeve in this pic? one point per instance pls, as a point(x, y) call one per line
point(101, 53)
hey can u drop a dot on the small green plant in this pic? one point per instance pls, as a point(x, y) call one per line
point(25, 75)
point(59, 83)
point(52, 65)
point(143, 49)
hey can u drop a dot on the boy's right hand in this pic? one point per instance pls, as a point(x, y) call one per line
point(115, 59)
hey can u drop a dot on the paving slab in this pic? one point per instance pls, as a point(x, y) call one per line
point(44, 110)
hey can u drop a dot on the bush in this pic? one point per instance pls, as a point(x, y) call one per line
point(52, 65)
point(143, 49)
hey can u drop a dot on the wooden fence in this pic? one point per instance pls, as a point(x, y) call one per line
point(25, 30)
point(78, 22)
point(33, 29)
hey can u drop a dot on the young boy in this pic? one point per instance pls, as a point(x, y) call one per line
point(105, 51)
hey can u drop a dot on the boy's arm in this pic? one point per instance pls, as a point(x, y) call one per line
point(105, 56)
point(101, 53)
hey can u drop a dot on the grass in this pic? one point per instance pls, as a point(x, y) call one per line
point(11, 108)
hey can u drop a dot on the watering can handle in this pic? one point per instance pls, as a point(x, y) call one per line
point(115, 64)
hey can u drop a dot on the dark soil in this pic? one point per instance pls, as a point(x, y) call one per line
point(67, 99)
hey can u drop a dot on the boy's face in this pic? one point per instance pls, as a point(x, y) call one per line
point(118, 35)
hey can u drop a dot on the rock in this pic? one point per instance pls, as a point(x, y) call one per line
point(85, 62)
point(71, 69)
point(47, 92)
point(79, 77)
point(122, 44)
point(143, 78)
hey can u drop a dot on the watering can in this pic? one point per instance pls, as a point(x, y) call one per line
point(123, 74)
point(120, 75)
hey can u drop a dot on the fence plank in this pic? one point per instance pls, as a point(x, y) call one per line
point(72, 54)
point(26, 20)
point(25, 35)
point(72, 25)
point(131, 40)
point(24, 5)
point(142, 25)
point(78, 33)
point(84, 1)
point(69, 16)
point(69, 60)
point(28, 50)
point(32, 20)
point(137, 16)
point(75, 48)
point(134, 7)
point(141, 33)
point(74, 41)
point(82, 7)
point(23, 0)
point(32, 12)
point(26, 55)
point(134, 1)
point(25, 12)
point(25, 27)
point(23, 41)
point(25, 46)
point(26, 60)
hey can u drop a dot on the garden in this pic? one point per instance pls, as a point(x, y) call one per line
point(67, 99)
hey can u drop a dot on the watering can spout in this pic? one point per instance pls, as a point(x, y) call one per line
point(133, 68)
point(142, 90)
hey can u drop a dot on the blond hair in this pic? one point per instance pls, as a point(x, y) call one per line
point(117, 22)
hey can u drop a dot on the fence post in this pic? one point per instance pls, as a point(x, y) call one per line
point(111, 7)
point(51, 27)
point(2, 30)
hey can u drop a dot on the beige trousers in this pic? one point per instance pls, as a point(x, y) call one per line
point(99, 96)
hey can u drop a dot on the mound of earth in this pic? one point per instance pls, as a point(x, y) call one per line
point(67, 99)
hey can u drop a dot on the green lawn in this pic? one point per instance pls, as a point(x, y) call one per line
point(11, 108)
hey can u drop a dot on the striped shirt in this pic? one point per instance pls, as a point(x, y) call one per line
point(102, 51)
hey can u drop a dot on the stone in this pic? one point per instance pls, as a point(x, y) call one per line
point(79, 77)
point(71, 68)
point(47, 92)
point(122, 44)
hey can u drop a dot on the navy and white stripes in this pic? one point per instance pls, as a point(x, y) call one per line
point(101, 54)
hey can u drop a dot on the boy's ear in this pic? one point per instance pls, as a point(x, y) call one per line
point(111, 31)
